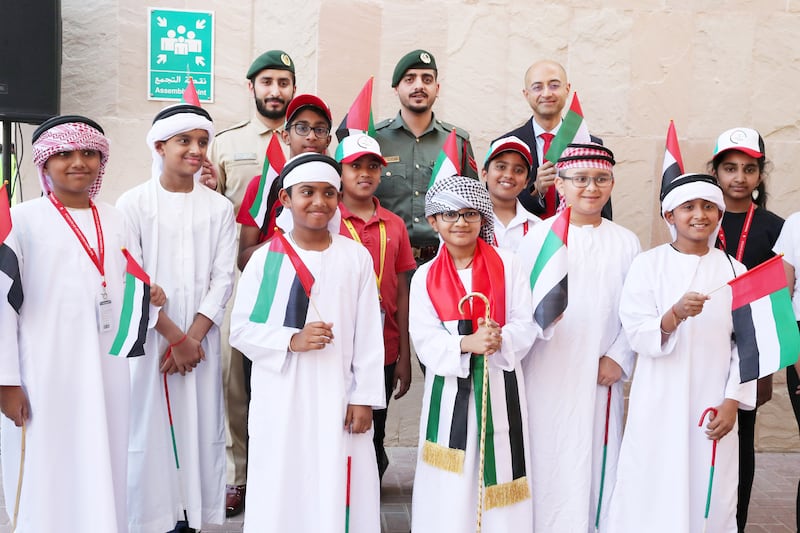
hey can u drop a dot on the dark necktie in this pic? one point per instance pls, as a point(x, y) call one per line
point(550, 201)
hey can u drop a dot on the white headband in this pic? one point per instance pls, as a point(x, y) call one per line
point(692, 191)
point(171, 126)
point(311, 172)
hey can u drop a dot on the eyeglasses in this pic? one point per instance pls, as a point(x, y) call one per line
point(453, 216)
point(582, 182)
point(303, 129)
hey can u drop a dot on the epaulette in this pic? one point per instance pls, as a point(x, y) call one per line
point(234, 127)
point(383, 123)
point(459, 132)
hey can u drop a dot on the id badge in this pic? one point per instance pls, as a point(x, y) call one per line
point(105, 318)
point(383, 318)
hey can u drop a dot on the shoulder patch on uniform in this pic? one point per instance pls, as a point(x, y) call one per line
point(459, 132)
point(234, 127)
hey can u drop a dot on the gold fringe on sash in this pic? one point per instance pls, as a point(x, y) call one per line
point(505, 494)
point(449, 459)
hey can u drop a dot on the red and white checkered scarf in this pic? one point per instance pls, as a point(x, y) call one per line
point(68, 138)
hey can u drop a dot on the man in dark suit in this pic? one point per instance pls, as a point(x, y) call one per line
point(546, 90)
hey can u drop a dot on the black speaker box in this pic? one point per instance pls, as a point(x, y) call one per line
point(30, 60)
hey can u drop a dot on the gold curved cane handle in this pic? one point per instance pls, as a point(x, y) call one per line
point(471, 295)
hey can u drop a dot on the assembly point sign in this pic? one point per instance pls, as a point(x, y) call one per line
point(180, 44)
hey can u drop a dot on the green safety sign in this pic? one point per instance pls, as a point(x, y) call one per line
point(180, 45)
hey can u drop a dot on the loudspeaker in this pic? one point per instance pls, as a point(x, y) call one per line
point(30, 60)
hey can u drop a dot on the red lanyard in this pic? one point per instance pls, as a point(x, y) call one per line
point(743, 237)
point(97, 258)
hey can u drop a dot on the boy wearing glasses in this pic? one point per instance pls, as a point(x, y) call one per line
point(574, 379)
point(456, 349)
point(308, 129)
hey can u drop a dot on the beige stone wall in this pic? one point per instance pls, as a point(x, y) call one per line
point(709, 65)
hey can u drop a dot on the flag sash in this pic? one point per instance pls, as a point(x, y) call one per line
point(446, 431)
point(505, 475)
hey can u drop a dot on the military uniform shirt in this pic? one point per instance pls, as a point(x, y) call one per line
point(238, 154)
point(404, 181)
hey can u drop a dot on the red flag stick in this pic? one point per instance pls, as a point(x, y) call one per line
point(713, 411)
point(603, 469)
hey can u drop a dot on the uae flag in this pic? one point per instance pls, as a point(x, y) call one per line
point(359, 118)
point(10, 281)
point(549, 275)
point(285, 279)
point(763, 320)
point(135, 313)
point(190, 94)
point(673, 163)
point(273, 164)
point(573, 130)
point(447, 164)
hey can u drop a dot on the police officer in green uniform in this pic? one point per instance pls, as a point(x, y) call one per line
point(411, 142)
point(238, 152)
point(238, 155)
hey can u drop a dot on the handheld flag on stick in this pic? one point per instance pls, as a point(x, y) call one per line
point(10, 280)
point(603, 468)
point(713, 411)
point(573, 130)
point(673, 163)
point(549, 274)
point(135, 314)
point(190, 93)
point(273, 164)
point(283, 281)
point(447, 164)
point(763, 320)
point(359, 118)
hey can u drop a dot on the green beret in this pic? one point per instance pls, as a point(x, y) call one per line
point(276, 59)
point(415, 59)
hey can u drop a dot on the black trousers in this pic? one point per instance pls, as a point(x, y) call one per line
point(379, 422)
point(747, 464)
